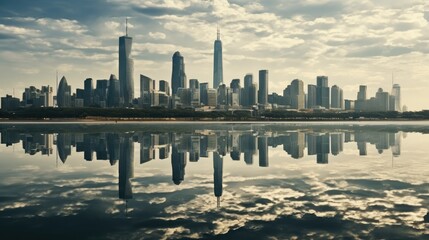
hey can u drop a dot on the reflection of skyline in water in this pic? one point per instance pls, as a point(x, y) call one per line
point(191, 146)
point(281, 197)
point(239, 145)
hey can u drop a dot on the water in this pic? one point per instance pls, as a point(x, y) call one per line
point(214, 181)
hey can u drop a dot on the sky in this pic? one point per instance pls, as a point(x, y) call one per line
point(353, 42)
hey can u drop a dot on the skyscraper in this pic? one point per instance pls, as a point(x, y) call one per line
point(88, 92)
point(311, 96)
point(178, 76)
point(194, 86)
point(147, 88)
point(249, 96)
point(113, 93)
point(164, 86)
point(337, 100)
point(217, 64)
point(297, 98)
point(361, 98)
point(203, 93)
point(64, 93)
point(362, 93)
point(100, 93)
point(322, 94)
point(126, 69)
point(263, 87)
point(396, 92)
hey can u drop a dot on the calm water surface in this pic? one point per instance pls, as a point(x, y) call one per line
point(214, 181)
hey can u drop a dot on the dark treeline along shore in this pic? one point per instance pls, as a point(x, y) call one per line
point(179, 127)
point(190, 114)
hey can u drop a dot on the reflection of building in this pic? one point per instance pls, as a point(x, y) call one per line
point(64, 145)
point(64, 94)
point(217, 176)
point(322, 148)
point(337, 141)
point(126, 167)
point(178, 164)
point(263, 151)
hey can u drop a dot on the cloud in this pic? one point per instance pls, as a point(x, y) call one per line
point(157, 35)
point(18, 31)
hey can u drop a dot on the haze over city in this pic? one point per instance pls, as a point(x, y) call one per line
point(353, 42)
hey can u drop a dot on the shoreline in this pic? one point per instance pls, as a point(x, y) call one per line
point(204, 120)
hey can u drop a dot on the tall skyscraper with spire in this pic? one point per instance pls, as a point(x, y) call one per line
point(126, 68)
point(217, 64)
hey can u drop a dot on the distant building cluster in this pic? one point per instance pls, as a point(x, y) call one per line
point(193, 94)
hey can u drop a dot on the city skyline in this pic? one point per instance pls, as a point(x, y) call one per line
point(81, 43)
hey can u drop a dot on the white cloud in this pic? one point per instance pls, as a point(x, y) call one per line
point(62, 25)
point(18, 31)
point(157, 35)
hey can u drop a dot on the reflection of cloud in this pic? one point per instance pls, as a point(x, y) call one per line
point(157, 200)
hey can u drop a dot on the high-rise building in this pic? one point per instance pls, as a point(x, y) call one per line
point(217, 64)
point(396, 92)
point(349, 104)
point(100, 92)
point(263, 87)
point(361, 98)
point(235, 85)
point(203, 93)
point(147, 88)
point(297, 94)
point(222, 95)
point(211, 97)
point(362, 93)
point(64, 94)
point(337, 100)
point(178, 76)
point(33, 97)
point(322, 94)
point(235, 92)
point(9, 103)
point(164, 86)
point(194, 86)
point(382, 101)
point(249, 95)
point(311, 96)
point(88, 92)
point(126, 70)
point(113, 93)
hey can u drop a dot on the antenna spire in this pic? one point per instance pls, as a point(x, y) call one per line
point(218, 32)
point(126, 27)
